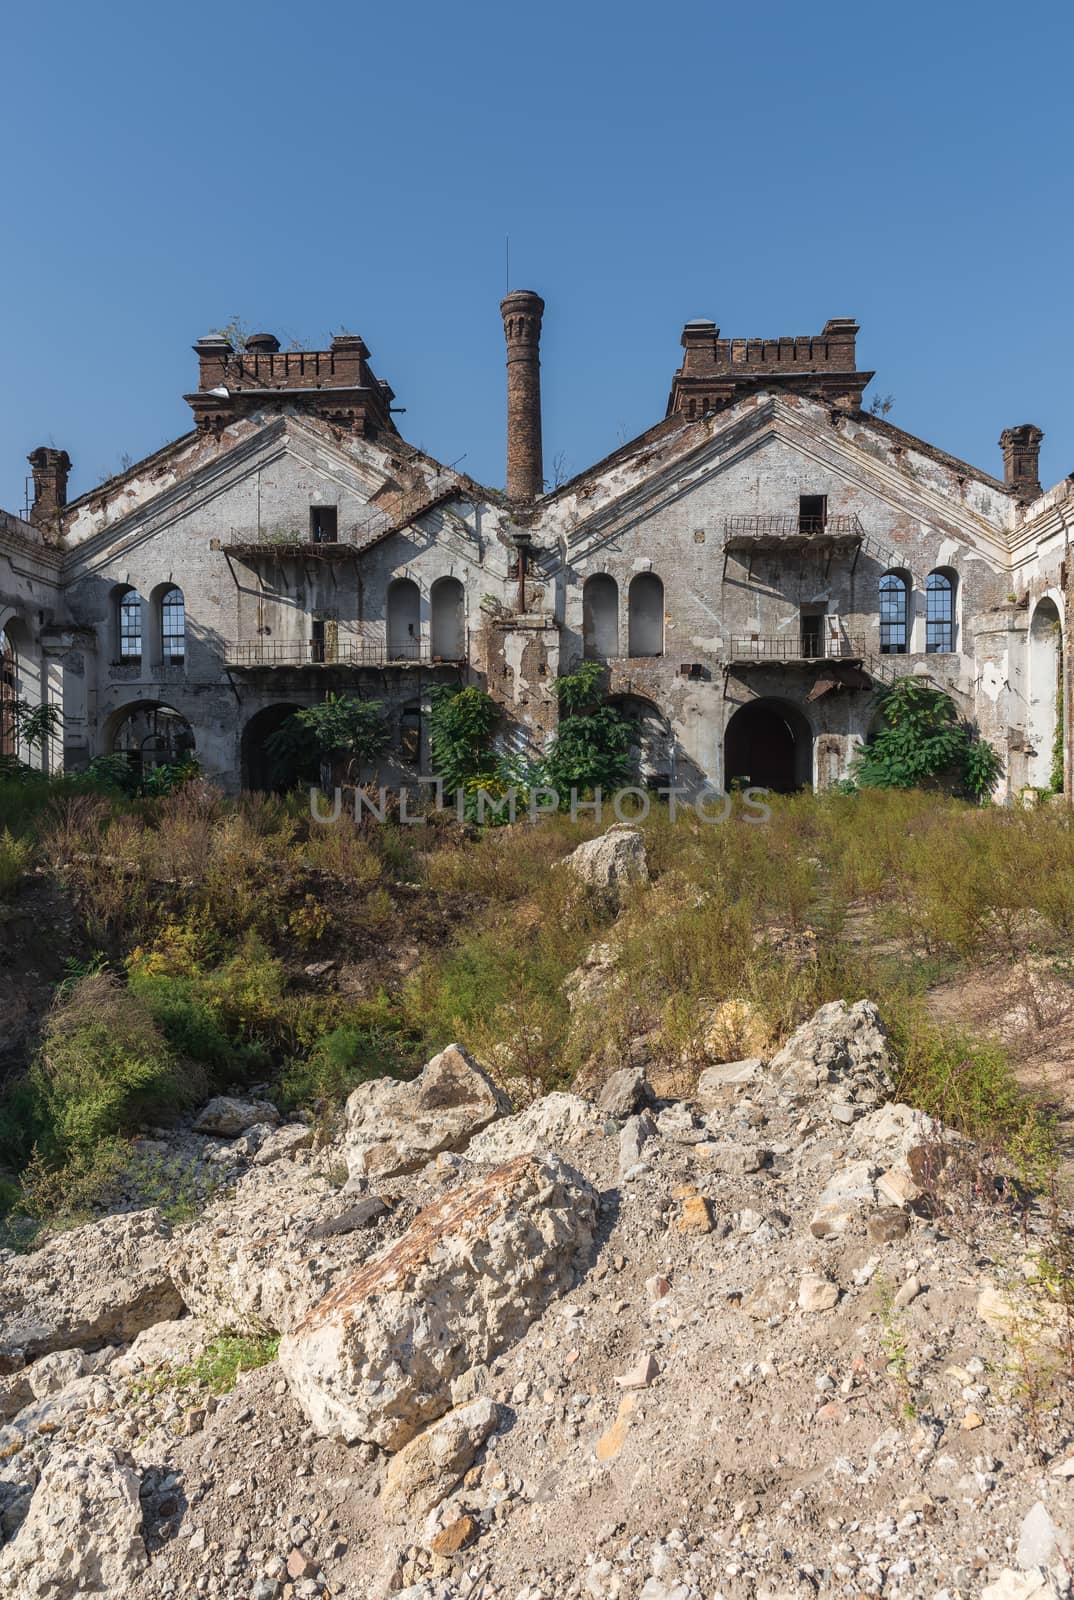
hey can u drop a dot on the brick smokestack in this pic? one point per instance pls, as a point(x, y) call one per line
point(1021, 460)
point(522, 311)
point(50, 468)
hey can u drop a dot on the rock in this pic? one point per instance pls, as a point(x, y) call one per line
point(895, 1127)
point(1023, 1586)
point(633, 1139)
point(99, 1284)
point(840, 1045)
point(361, 1215)
point(82, 1534)
point(284, 1144)
point(395, 1127)
point(257, 1259)
point(816, 1293)
point(425, 1471)
point(225, 1117)
point(695, 1215)
point(610, 864)
point(554, 1122)
point(1040, 1542)
point(15, 1392)
point(897, 1188)
point(625, 1092)
point(458, 1535)
point(887, 1225)
point(714, 1083)
point(851, 1186)
point(54, 1372)
point(641, 1374)
point(300, 1565)
point(374, 1361)
point(772, 1297)
point(906, 1295)
point(830, 1221)
point(171, 1344)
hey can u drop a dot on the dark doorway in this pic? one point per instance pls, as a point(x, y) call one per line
point(259, 770)
point(768, 745)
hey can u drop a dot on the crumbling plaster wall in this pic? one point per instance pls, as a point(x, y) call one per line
point(916, 515)
point(260, 486)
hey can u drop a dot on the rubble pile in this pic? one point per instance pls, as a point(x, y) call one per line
point(741, 1344)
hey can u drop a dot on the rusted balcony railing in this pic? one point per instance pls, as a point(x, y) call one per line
point(792, 532)
point(348, 653)
point(794, 647)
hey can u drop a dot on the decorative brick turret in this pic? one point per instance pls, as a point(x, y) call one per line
point(714, 369)
point(337, 384)
point(1021, 460)
point(50, 468)
point(522, 311)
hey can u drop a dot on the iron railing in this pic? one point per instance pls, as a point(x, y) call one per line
point(347, 653)
point(795, 647)
point(813, 527)
point(376, 521)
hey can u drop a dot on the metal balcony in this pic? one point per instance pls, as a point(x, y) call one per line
point(793, 649)
point(832, 535)
point(348, 654)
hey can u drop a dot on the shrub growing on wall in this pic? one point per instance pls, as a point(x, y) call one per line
point(592, 748)
point(923, 743)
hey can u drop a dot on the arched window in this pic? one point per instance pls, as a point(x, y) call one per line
point(173, 627)
point(129, 627)
point(645, 613)
point(404, 620)
point(9, 691)
point(940, 613)
point(894, 614)
point(600, 617)
point(447, 620)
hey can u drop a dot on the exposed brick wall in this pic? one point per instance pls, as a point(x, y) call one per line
point(522, 311)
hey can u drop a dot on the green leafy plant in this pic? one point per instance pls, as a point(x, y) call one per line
point(921, 742)
point(461, 726)
point(593, 744)
point(339, 728)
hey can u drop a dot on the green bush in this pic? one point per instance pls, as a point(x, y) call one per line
point(373, 1043)
point(105, 1067)
point(921, 742)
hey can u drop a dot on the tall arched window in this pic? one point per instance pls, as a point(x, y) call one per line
point(447, 625)
point(894, 614)
point(404, 620)
point(129, 627)
point(9, 690)
point(600, 617)
point(173, 628)
point(645, 615)
point(940, 613)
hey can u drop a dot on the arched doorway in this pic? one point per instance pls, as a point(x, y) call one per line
point(447, 607)
point(151, 735)
point(645, 615)
point(654, 751)
point(260, 768)
point(600, 617)
point(768, 745)
point(404, 620)
point(1045, 687)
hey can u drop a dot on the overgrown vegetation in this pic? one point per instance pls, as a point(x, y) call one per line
point(338, 734)
point(207, 914)
point(922, 743)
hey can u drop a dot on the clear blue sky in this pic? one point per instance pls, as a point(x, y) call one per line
point(324, 165)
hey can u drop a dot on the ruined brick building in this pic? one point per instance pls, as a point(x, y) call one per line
point(749, 569)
